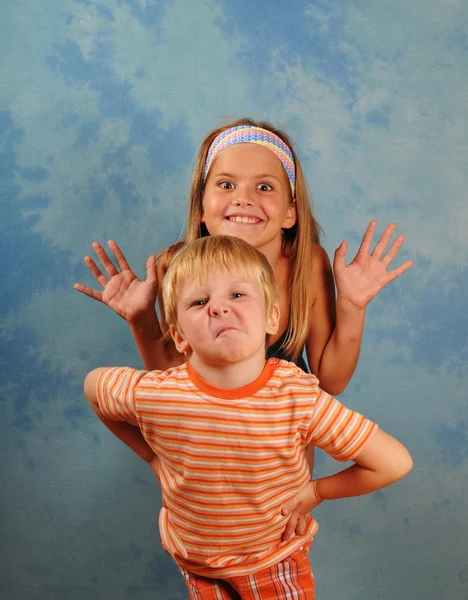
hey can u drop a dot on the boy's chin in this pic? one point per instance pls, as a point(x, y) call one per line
point(230, 354)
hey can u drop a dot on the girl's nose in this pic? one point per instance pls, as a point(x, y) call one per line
point(242, 197)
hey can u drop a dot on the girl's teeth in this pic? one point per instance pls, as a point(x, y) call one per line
point(242, 220)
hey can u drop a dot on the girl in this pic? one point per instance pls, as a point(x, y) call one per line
point(248, 183)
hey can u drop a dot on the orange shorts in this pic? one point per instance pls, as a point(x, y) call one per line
point(291, 579)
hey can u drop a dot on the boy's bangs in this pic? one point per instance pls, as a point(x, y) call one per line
point(204, 268)
point(200, 260)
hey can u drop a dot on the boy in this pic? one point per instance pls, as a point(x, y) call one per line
point(230, 431)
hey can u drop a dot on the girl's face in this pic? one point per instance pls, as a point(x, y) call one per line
point(247, 195)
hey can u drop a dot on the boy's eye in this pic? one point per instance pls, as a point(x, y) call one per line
point(226, 185)
point(200, 302)
point(264, 187)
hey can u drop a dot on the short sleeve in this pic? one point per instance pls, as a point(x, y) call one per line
point(339, 431)
point(116, 393)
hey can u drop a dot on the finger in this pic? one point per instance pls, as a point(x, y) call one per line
point(394, 273)
point(119, 255)
point(367, 238)
point(106, 262)
point(95, 271)
point(384, 239)
point(290, 527)
point(87, 291)
point(290, 505)
point(394, 249)
point(301, 525)
point(339, 260)
point(152, 270)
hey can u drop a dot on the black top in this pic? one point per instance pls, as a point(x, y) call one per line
point(274, 351)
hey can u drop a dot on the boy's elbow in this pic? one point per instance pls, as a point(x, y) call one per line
point(408, 464)
point(90, 387)
point(402, 465)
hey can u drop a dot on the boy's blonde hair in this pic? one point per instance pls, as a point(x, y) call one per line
point(298, 241)
point(199, 259)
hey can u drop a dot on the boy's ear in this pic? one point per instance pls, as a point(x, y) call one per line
point(180, 342)
point(291, 216)
point(273, 320)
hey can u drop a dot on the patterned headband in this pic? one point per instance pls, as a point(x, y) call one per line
point(256, 135)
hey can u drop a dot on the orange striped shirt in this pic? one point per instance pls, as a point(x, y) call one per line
point(231, 458)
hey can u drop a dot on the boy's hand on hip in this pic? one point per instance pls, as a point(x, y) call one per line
point(298, 509)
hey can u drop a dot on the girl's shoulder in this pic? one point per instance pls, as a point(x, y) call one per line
point(320, 261)
point(164, 258)
point(318, 252)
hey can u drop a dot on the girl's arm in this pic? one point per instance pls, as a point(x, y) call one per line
point(335, 333)
point(128, 434)
point(337, 326)
point(383, 461)
point(148, 334)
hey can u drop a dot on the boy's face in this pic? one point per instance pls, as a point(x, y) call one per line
point(222, 320)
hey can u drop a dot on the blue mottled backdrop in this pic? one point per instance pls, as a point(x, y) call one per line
point(102, 107)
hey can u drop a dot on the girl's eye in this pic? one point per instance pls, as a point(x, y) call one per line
point(226, 185)
point(237, 295)
point(264, 187)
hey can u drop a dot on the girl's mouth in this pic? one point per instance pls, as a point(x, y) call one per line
point(243, 220)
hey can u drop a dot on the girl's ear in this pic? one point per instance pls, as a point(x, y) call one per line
point(202, 216)
point(273, 320)
point(180, 342)
point(291, 216)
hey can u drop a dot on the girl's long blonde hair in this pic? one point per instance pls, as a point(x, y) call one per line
point(297, 241)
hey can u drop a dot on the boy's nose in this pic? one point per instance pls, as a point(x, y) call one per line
point(218, 308)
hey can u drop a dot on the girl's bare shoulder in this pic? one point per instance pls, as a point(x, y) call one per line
point(165, 257)
point(320, 259)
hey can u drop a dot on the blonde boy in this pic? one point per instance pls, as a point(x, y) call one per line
point(230, 431)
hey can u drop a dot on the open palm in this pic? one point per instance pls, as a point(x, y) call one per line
point(130, 297)
point(361, 280)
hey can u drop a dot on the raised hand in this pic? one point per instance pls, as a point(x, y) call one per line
point(298, 509)
point(361, 280)
point(128, 296)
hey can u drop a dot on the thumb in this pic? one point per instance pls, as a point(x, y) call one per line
point(291, 505)
point(152, 270)
point(339, 260)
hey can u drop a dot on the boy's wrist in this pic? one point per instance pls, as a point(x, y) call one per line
point(317, 491)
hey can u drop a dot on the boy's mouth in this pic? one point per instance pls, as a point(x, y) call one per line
point(224, 329)
point(244, 220)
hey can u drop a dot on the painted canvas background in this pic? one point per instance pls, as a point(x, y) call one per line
point(102, 108)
